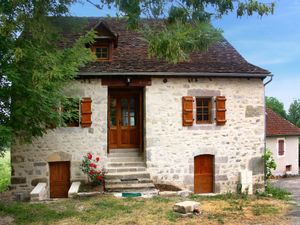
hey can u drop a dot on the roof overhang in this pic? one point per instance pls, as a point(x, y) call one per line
point(283, 135)
point(173, 74)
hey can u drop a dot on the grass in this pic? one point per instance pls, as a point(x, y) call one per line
point(106, 209)
point(276, 192)
point(5, 171)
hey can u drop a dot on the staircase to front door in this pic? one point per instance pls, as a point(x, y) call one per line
point(127, 172)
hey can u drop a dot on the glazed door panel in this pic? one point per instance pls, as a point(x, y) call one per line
point(124, 125)
point(203, 174)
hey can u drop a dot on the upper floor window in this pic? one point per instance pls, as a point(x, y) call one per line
point(102, 51)
point(281, 147)
point(203, 110)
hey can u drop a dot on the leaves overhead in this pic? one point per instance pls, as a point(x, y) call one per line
point(189, 17)
point(35, 65)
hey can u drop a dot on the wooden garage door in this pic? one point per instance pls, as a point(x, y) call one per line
point(203, 173)
point(59, 179)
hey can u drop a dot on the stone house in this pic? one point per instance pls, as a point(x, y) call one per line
point(193, 125)
point(283, 141)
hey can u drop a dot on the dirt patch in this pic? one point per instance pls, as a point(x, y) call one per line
point(6, 220)
point(91, 188)
point(166, 187)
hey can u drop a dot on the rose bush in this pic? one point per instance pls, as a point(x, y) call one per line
point(91, 166)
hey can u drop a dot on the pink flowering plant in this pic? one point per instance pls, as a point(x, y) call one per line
point(91, 166)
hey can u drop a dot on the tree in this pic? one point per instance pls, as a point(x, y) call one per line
point(34, 68)
point(294, 112)
point(186, 25)
point(277, 106)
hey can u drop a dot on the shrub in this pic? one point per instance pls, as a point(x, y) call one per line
point(269, 163)
point(91, 166)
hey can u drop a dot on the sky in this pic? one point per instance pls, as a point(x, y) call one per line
point(271, 42)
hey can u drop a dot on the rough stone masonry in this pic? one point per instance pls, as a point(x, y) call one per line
point(169, 148)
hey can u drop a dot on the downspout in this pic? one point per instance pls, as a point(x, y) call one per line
point(265, 136)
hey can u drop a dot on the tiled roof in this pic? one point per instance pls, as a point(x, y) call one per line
point(277, 126)
point(131, 55)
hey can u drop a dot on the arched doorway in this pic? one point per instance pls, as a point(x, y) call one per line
point(204, 174)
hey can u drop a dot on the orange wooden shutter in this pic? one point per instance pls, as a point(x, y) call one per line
point(220, 110)
point(86, 112)
point(187, 111)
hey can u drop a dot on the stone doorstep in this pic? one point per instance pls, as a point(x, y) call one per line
point(126, 159)
point(125, 169)
point(39, 192)
point(129, 186)
point(74, 189)
point(128, 175)
point(126, 164)
point(119, 181)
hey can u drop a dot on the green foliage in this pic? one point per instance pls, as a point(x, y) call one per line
point(269, 163)
point(294, 112)
point(5, 171)
point(275, 192)
point(263, 209)
point(177, 41)
point(277, 106)
point(70, 112)
point(34, 68)
point(183, 31)
point(91, 166)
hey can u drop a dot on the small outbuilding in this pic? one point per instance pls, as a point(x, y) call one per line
point(283, 141)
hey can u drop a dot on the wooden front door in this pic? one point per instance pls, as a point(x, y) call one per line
point(59, 179)
point(124, 119)
point(203, 173)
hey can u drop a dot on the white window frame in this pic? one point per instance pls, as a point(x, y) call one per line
point(277, 147)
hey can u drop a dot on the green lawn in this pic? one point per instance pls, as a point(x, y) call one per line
point(106, 209)
point(4, 171)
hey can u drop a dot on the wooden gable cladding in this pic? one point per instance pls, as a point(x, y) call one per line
point(187, 111)
point(221, 110)
point(86, 112)
point(126, 82)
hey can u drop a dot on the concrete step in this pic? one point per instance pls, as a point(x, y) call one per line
point(137, 181)
point(125, 169)
point(129, 186)
point(120, 150)
point(126, 164)
point(127, 175)
point(124, 154)
point(125, 159)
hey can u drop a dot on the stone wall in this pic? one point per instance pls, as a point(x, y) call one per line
point(30, 161)
point(171, 148)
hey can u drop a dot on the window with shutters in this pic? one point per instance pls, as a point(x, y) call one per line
point(86, 112)
point(280, 147)
point(203, 110)
point(70, 112)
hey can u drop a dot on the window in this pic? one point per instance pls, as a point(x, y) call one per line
point(70, 112)
point(102, 52)
point(288, 168)
point(203, 110)
point(280, 147)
